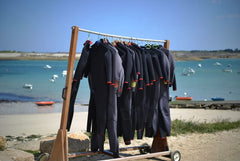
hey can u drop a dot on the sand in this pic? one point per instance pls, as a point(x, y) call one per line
point(221, 146)
point(49, 123)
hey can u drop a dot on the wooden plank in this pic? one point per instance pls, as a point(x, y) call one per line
point(68, 84)
point(166, 153)
point(60, 148)
point(58, 151)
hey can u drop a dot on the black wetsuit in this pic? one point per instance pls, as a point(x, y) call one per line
point(162, 113)
point(106, 78)
point(125, 101)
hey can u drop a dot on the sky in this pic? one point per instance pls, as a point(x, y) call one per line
point(45, 25)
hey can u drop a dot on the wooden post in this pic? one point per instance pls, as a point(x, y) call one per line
point(60, 148)
point(160, 144)
point(166, 44)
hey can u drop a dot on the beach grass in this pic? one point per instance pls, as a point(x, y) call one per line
point(35, 153)
point(185, 127)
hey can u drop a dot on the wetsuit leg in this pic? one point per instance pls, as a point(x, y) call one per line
point(140, 113)
point(124, 109)
point(164, 109)
point(112, 121)
point(133, 115)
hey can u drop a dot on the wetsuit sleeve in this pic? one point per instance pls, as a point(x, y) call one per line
point(156, 65)
point(134, 70)
point(109, 67)
point(137, 63)
point(151, 70)
point(145, 68)
point(118, 71)
point(164, 63)
point(174, 84)
point(128, 69)
point(171, 63)
point(76, 80)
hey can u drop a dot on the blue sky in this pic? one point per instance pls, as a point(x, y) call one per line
point(45, 25)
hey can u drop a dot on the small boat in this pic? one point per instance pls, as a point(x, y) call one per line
point(44, 103)
point(185, 72)
point(47, 67)
point(218, 99)
point(199, 65)
point(191, 70)
point(217, 63)
point(184, 98)
point(52, 80)
point(55, 76)
point(227, 70)
point(64, 73)
point(28, 86)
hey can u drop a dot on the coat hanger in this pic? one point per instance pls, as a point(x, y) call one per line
point(148, 46)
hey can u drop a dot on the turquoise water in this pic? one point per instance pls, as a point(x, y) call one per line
point(207, 82)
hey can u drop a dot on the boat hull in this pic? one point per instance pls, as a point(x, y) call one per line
point(44, 103)
point(218, 99)
point(184, 98)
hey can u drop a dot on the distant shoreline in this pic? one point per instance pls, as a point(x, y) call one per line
point(178, 56)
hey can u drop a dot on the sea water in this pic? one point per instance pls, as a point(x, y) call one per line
point(208, 81)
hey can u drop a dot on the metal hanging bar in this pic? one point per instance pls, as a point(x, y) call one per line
point(120, 37)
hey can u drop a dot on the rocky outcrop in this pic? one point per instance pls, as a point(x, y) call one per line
point(77, 142)
point(3, 142)
point(15, 155)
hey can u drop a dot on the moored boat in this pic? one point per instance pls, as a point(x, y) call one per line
point(227, 70)
point(28, 86)
point(44, 103)
point(218, 99)
point(184, 98)
point(47, 67)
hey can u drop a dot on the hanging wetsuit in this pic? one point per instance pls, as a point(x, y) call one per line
point(154, 95)
point(115, 90)
point(100, 58)
point(80, 70)
point(161, 117)
point(125, 101)
point(106, 81)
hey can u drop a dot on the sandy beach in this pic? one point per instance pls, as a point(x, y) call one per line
point(194, 146)
point(49, 123)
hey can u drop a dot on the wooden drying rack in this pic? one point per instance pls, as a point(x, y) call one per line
point(60, 148)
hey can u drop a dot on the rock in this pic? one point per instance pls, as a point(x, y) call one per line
point(3, 142)
point(15, 155)
point(77, 142)
point(28, 145)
